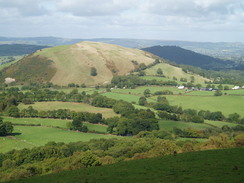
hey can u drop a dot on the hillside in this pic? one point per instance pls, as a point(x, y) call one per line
point(72, 64)
point(206, 166)
point(182, 56)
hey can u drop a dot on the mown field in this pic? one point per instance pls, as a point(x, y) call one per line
point(31, 136)
point(78, 107)
point(213, 166)
point(226, 104)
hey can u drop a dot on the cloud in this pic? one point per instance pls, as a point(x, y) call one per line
point(23, 8)
point(123, 18)
point(94, 7)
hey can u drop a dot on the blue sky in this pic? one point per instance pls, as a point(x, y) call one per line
point(189, 20)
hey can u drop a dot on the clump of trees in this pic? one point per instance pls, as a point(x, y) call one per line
point(6, 128)
point(93, 71)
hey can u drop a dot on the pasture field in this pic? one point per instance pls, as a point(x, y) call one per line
point(74, 106)
point(200, 93)
point(54, 123)
point(96, 127)
point(38, 121)
point(126, 97)
point(220, 124)
point(30, 136)
point(169, 125)
point(211, 93)
point(202, 166)
point(153, 89)
point(9, 143)
point(226, 104)
point(234, 92)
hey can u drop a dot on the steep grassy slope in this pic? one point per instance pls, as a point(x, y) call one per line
point(73, 63)
point(206, 166)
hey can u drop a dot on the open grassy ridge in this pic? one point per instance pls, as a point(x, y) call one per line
point(213, 166)
point(73, 63)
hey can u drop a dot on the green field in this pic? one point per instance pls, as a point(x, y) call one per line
point(78, 107)
point(169, 125)
point(10, 143)
point(171, 71)
point(220, 124)
point(30, 136)
point(226, 104)
point(153, 89)
point(213, 166)
point(211, 93)
point(54, 123)
point(38, 121)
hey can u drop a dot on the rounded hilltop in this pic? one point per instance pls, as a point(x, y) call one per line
point(73, 63)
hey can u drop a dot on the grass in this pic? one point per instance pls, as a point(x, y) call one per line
point(10, 143)
point(126, 97)
point(220, 124)
point(226, 104)
point(169, 125)
point(203, 166)
point(38, 121)
point(39, 135)
point(96, 127)
point(172, 71)
point(78, 107)
point(54, 123)
point(140, 90)
point(211, 93)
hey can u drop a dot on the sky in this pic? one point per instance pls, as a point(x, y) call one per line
point(187, 20)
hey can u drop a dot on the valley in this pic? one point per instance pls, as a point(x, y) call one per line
point(136, 105)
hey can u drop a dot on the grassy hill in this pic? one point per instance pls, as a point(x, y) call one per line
point(72, 64)
point(205, 166)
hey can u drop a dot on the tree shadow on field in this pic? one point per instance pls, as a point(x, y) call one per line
point(15, 134)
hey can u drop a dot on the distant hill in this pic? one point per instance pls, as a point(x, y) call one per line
point(18, 49)
point(182, 56)
point(222, 165)
point(72, 64)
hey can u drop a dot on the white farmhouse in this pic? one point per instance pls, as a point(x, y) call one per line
point(236, 88)
point(181, 87)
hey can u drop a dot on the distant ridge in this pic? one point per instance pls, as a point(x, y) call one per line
point(182, 56)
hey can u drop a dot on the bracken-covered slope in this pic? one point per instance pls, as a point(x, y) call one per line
point(72, 64)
